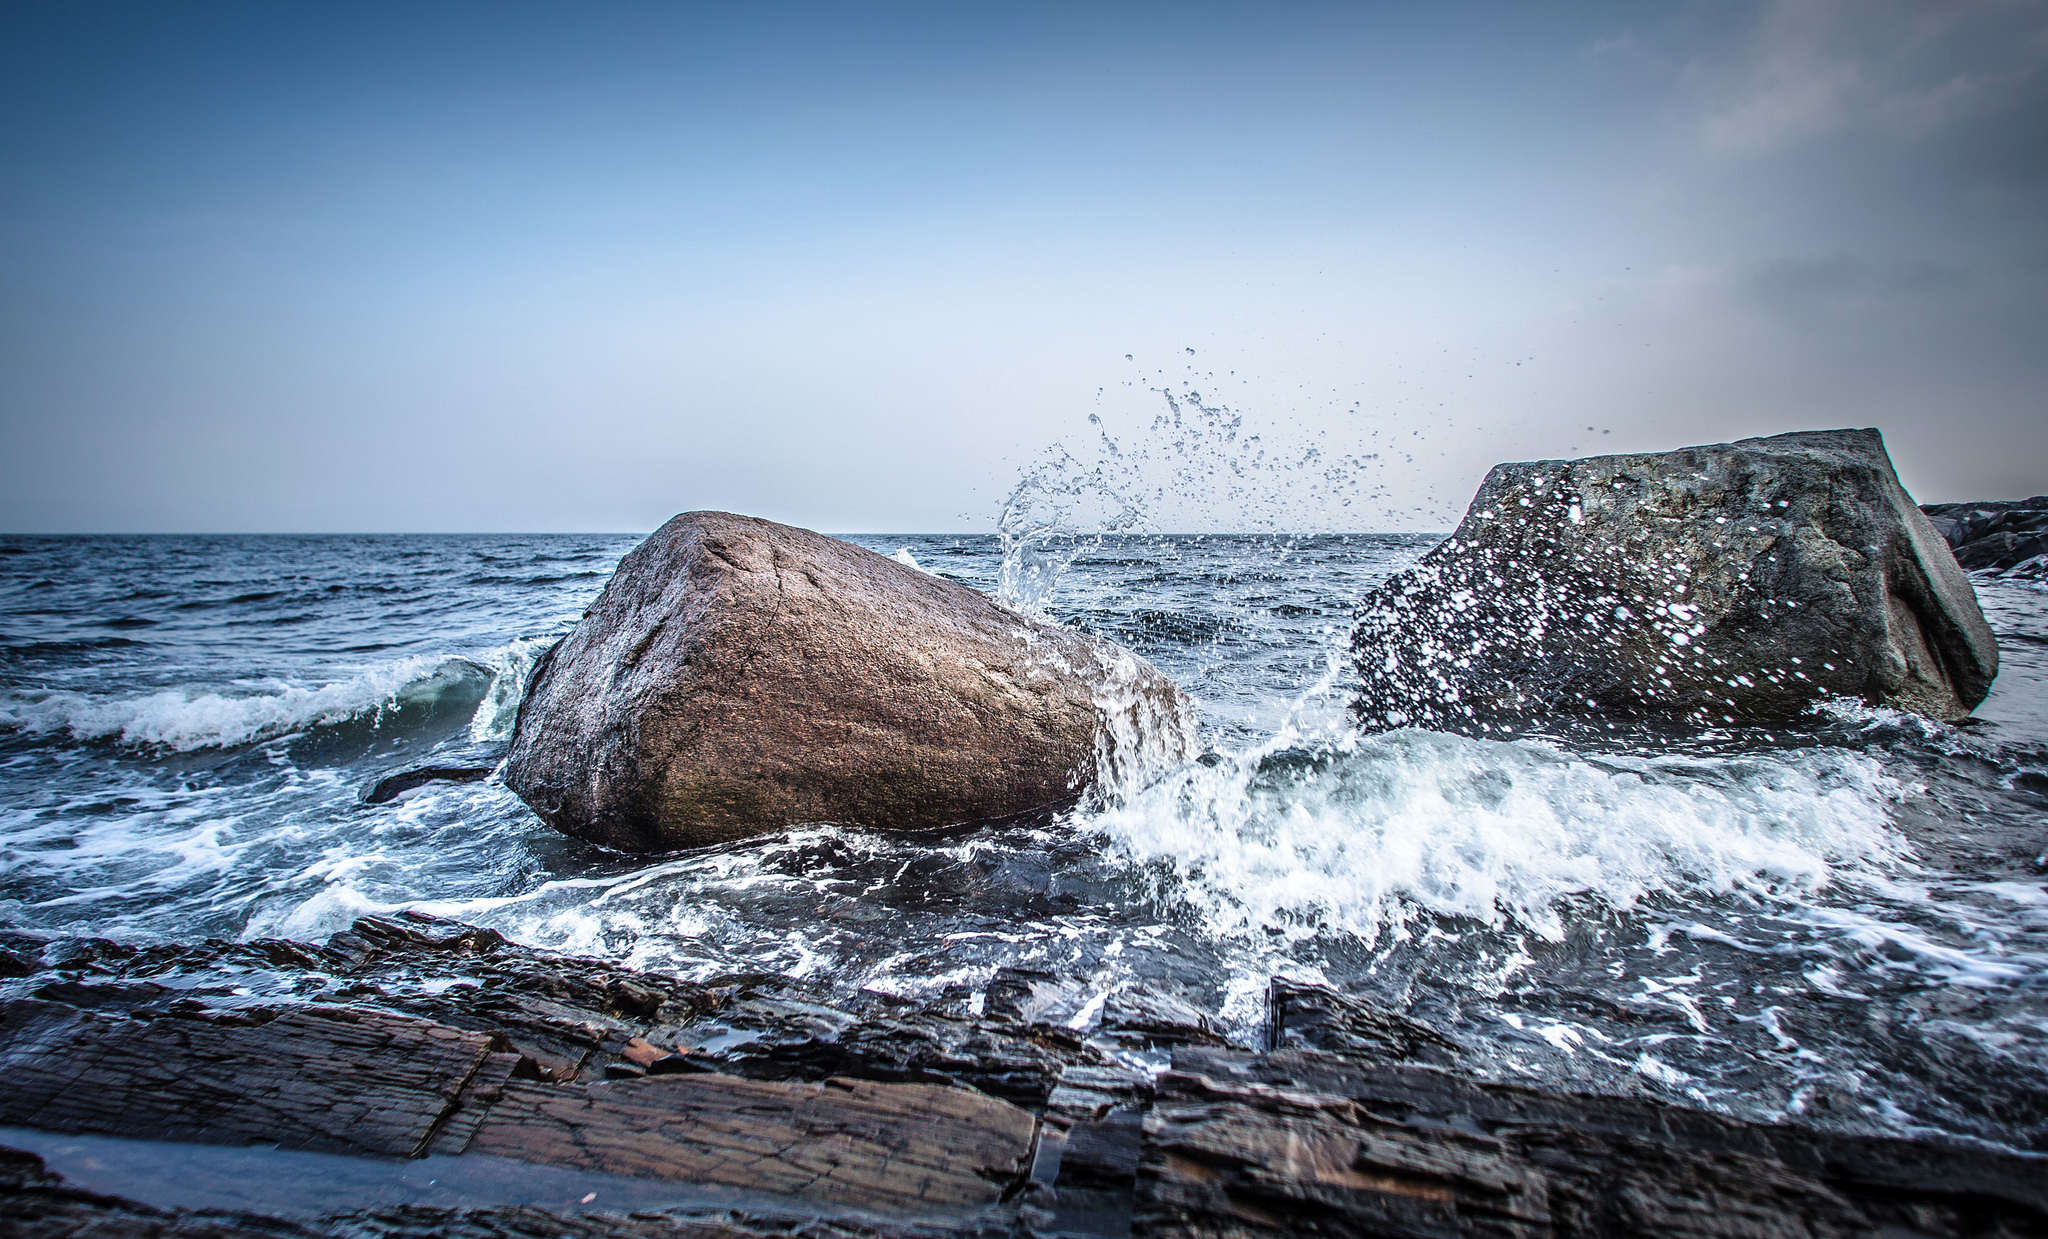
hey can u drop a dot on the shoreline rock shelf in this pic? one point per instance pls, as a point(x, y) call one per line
point(1727, 584)
point(2006, 536)
point(410, 1036)
point(737, 676)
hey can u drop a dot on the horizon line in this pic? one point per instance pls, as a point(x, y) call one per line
point(602, 533)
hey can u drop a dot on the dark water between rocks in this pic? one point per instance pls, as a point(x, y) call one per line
point(299, 1184)
point(1844, 922)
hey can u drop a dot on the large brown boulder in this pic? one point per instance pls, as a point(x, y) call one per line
point(737, 676)
point(1733, 583)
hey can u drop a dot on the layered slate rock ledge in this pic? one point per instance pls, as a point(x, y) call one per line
point(818, 1116)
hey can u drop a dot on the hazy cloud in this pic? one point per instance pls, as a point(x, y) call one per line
point(1789, 282)
point(1809, 69)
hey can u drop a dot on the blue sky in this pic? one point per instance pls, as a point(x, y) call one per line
point(443, 266)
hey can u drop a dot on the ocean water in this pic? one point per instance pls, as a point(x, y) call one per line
point(1843, 922)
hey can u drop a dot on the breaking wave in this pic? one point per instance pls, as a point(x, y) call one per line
point(1361, 835)
point(190, 719)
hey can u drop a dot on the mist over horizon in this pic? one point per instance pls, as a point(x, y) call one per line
point(470, 267)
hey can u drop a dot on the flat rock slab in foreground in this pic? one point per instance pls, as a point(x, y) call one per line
point(737, 676)
point(1246, 1147)
point(917, 1148)
point(335, 1080)
point(895, 1148)
point(1733, 583)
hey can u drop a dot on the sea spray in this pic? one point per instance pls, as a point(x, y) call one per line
point(1059, 509)
point(1178, 459)
point(904, 556)
point(1143, 734)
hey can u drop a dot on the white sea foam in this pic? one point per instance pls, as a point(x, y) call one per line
point(908, 560)
point(1868, 718)
point(1364, 834)
point(198, 718)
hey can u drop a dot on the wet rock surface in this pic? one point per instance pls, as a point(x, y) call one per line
point(2008, 536)
point(821, 1116)
point(737, 676)
point(393, 786)
point(1405, 1149)
point(337, 1079)
point(1732, 583)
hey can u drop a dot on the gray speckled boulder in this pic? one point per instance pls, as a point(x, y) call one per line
point(737, 676)
point(1724, 584)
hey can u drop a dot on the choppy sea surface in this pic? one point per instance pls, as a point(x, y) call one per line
point(1842, 923)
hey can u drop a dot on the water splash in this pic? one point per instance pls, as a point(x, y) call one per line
point(1059, 508)
point(511, 667)
point(1181, 460)
point(908, 560)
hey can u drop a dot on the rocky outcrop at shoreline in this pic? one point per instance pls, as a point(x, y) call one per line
point(738, 676)
point(1728, 584)
point(2007, 536)
point(763, 1105)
